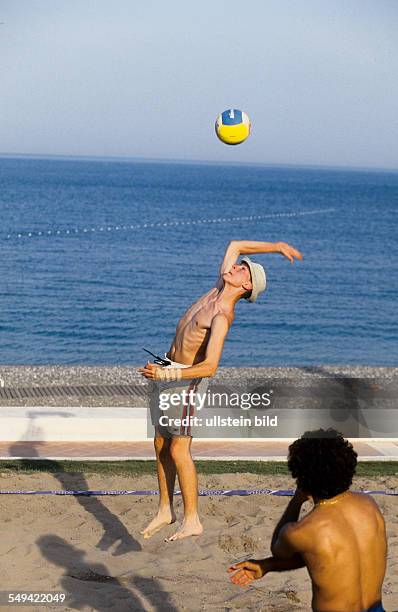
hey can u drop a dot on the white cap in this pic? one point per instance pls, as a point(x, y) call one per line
point(258, 278)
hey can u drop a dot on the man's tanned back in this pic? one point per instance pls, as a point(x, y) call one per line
point(346, 553)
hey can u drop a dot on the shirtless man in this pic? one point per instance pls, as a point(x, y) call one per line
point(341, 541)
point(195, 353)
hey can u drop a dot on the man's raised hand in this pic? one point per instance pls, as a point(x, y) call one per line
point(288, 251)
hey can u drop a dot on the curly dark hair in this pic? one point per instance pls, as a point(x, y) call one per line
point(322, 462)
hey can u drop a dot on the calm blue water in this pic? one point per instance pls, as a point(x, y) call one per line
point(96, 296)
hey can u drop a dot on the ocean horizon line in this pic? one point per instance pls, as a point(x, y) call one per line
point(161, 160)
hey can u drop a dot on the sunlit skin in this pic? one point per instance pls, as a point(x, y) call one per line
point(342, 544)
point(198, 343)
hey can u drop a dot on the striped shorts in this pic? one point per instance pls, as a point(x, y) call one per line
point(180, 406)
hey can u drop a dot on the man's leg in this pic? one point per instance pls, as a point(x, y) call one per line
point(180, 451)
point(166, 471)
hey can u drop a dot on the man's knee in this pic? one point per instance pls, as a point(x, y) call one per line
point(180, 448)
point(161, 444)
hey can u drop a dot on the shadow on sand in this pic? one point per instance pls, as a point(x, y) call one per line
point(114, 530)
point(82, 581)
point(90, 584)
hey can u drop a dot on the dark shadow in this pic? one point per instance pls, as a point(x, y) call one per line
point(314, 397)
point(354, 402)
point(80, 575)
point(114, 530)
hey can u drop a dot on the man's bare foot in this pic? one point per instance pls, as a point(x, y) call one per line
point(163, 518)
point(189, 527)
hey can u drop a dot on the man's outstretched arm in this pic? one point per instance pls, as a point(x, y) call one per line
point(286, 546)
point(207, 367)
point(254, 569)
point(251, 247)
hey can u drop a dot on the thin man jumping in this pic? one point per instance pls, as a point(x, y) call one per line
point(192, 359)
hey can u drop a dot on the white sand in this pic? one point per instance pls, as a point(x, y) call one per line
point(91, 550)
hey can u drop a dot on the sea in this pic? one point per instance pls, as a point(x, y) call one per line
point(100, 258)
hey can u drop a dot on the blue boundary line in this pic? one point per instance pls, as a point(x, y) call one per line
point(202, 492)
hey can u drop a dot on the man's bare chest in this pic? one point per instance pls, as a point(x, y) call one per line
point(199, 316)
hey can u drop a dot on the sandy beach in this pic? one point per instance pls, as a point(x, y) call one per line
point(90, 548)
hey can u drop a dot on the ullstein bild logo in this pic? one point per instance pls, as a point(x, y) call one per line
point(212, 399)
point(219, 421)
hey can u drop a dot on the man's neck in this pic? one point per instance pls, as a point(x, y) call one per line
point(330, 500)
point(229, 296)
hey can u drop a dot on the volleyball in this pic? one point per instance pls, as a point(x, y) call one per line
point(232, 126)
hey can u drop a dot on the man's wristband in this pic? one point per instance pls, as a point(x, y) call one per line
point(168, 374)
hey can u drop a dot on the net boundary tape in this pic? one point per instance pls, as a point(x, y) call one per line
point(201, 492)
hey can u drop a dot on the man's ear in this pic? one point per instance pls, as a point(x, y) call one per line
point(247, 286)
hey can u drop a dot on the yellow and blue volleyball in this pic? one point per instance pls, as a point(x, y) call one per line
point(233, 126)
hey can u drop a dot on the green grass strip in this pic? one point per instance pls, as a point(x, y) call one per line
point(137, 468)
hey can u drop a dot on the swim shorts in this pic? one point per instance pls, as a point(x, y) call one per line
point(175, 404)
point(377, 607)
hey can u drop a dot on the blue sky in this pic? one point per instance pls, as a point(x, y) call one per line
point(147, 79)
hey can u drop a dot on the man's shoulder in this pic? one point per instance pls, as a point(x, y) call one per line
point(300, 529)
point(222, 320)
point(205, 297)
point(367, 505)
point(300, 534)
point(292, 538)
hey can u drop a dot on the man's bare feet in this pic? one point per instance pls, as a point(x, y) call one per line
point(189, 527)
point(163, 518)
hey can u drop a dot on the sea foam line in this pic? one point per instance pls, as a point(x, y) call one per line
point(140, 226)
